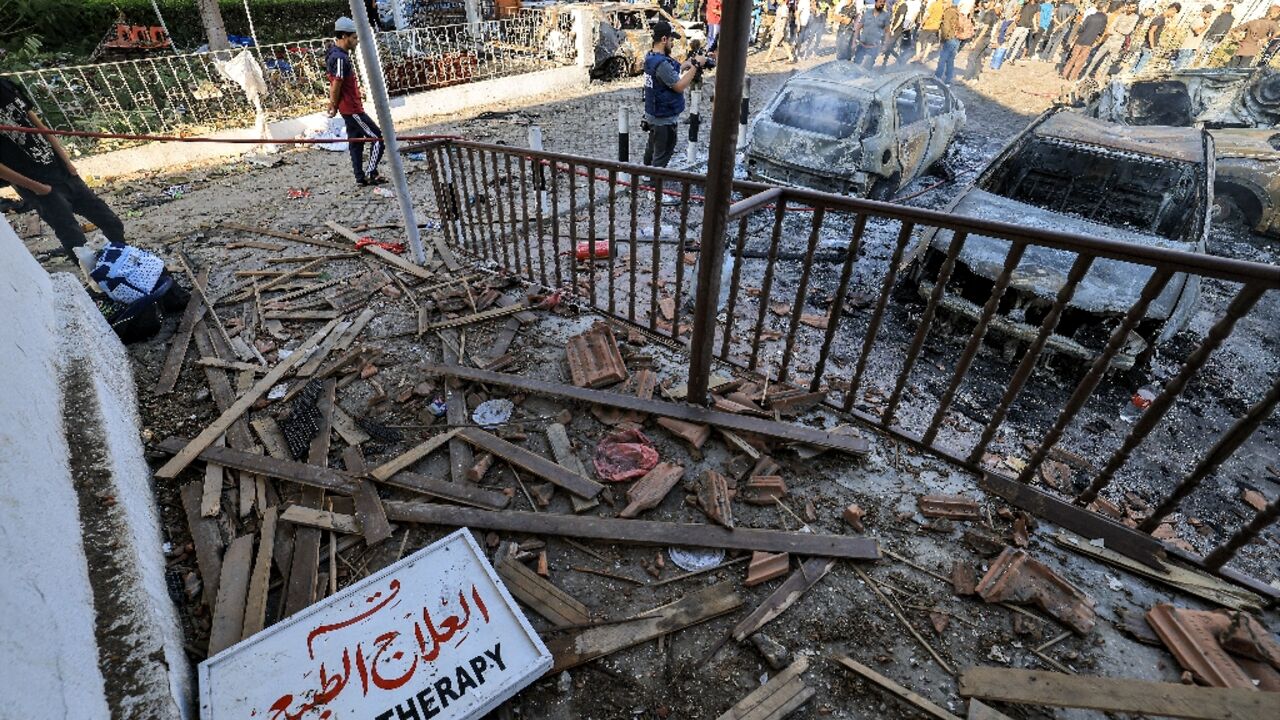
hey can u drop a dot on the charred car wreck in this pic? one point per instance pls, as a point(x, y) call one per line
point(1240, 107)
point(1071, 173)
point(623, 37)
point(838, 128)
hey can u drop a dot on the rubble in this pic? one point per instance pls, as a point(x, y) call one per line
point(1016, 577)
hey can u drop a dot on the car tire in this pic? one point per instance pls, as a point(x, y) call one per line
point(883, 189)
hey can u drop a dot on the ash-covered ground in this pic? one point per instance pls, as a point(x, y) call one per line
point(841, 614)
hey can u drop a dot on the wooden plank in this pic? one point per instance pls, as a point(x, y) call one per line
point(914, 698)
point(211, 494)
point(347, 428)
point(356, 328)
point(301, 590)
point(461, 493)
point(339, 482)
point(255, 611)
point(230, 364)
point(776, 698)
point(979, 711)
point(181, 340)
point(549, 601)
point(472, 319)
point(233, 588)
point(688, 413)
point(237, 433)
point(1034, 687)
point(642, 532)
point(450, 262)
point(1192, 582)
point(562, 450)
point(207, 539)
point(791, 589)
point(532, 462)
point(571, 649)
point(323, 519)
point(368, 506)
point(301, 315)
point(285, 236)
point(460, 456)
point(309, 368)
point(206, 437)
point(384, 471)
point(272, 439)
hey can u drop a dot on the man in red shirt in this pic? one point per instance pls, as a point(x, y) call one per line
point(713, 23)
point(344, 99)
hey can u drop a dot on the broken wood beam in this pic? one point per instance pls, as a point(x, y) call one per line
point(571, 649)
point(211, 433)
point(233, 588)
point(914, 698)
point(384, 471)
point(295, 237)
point(1034, 687)
point(207, 539)
point(549, 601)
point(181, 340)
point(531, 462)
point(255, 611)
point(781, 696)
point(641, 532)
point(368, 506)
point(687, 413)
point(562, 450)
point(337, 481)
point(472, 319)
point(321, 519)
point(791, 589)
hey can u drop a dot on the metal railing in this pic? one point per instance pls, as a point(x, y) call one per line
point(174, 94)
point(817, 295)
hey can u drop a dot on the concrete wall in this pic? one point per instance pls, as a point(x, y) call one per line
point(406, 110)
point(87, 629)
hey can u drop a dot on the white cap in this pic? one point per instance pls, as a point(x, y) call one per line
point(344, 24)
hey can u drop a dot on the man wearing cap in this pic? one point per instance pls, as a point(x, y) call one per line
point(344, 99)
point(665, 80)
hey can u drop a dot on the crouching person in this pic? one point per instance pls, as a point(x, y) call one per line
point(137, 291)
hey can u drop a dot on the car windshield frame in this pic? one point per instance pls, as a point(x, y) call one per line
point(802, 118)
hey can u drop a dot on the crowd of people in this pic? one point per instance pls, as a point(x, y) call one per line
point(1082, 38)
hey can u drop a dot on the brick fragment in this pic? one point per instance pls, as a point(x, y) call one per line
point(853, 515)
point(954, 507)
point(1018, 578)
point(1255, 500)
point(766, 566)
point(477, 471)
point(692, 433)
point(713, 498)
point(594, 360)
point(964, 580)
point(649, 491)
point(764, 490)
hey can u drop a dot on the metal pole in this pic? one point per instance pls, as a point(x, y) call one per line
point(744, 114)
point(624, 133)
point(378, 94)
point(539, 172)
point(695, 120)
point(731, 69)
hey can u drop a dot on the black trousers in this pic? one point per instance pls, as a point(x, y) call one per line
point(71, 197)
point(361, 126)
point(661, 145)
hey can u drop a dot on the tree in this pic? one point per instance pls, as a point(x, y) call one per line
point(214, 29)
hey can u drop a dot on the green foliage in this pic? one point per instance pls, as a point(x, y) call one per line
point(77, 27)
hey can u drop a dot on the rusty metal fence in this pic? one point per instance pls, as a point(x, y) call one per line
point(878, 343)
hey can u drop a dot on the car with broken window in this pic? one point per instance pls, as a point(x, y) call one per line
point(623, 38)
point(838, 128)
point(1239, 106)
point(1146, 186)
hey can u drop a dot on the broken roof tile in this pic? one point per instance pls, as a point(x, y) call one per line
point(594, 360)
point(1018, 578)
point(766, 566)
point(955, 507)
point(1191, 636)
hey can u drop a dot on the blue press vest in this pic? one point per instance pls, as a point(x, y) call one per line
point(660, 101)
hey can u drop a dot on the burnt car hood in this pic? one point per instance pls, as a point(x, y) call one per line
point(792, 147)
point(1110, 287)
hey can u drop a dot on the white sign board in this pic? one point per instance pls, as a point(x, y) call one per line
point(435, 636)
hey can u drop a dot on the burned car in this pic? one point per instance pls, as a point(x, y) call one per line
point(1150, 186)
point(623, 38)
point(1240, 107)
point(838, 128)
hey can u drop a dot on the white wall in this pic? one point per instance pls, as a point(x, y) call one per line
point(64, 637)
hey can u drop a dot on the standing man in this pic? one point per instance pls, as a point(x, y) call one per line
point(713, 22)
point(665, 80)
point(1063, 17)
point(1092, 29)
point(781, 32)
point(1218, 30)
point(949, 35)
point(872, 29)
point(988, 19)
point(1193, 33)
point(845, 17)
point(1255, 35)
point(39, 169)
point(1040, 34)
point(344, 99)
point(927, 36)
point(1151, 39)
point(1114, 40)
point(904, 16)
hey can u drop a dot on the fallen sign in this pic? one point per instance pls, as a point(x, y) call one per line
point(1116, 695)
point(688, 413)
point(287, 669)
